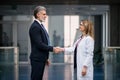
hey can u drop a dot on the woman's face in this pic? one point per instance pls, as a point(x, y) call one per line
point(82, 27)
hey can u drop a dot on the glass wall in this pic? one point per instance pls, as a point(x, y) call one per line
point(6, 34)
point(14, 33)
point(61, 25)
point(112, 63)
point(9, 62)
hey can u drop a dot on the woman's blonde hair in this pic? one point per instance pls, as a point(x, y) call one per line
point(89, 29)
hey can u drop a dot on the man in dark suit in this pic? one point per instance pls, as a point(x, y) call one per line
point(40, 44)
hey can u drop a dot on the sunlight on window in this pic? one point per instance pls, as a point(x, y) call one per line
point(71, 23)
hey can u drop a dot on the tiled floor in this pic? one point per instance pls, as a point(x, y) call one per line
point(53, 72)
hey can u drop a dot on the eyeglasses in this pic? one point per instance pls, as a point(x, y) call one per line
point(81, 24)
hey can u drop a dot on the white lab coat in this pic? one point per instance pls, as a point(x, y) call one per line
point(84, 57)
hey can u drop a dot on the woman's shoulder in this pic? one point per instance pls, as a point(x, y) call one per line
point(88, 37)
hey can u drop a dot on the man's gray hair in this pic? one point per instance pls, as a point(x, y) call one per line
point(37, 9)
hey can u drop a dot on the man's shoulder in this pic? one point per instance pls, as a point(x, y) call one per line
point(35, 23)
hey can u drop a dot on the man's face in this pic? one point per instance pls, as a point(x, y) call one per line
point(41, 15)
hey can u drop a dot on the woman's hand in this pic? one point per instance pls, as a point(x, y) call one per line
point(84, 71)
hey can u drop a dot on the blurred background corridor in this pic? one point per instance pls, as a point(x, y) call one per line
point(62, 25)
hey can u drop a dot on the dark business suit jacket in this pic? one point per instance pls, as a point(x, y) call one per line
point(39, 43)
point(39, 50)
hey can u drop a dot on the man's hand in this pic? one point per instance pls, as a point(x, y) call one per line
point(48, 62)
point(58, 49)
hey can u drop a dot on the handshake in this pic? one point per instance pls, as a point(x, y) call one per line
point(58, 49)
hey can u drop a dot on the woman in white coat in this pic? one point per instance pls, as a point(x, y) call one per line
point(84, 50)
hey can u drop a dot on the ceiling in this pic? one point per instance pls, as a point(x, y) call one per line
point(56, 2)
point(55, 9)
point(78, 9)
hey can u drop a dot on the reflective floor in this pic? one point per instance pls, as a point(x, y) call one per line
point(53, 72)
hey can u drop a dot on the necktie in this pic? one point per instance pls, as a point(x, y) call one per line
point(75, 54)
point(46, 34)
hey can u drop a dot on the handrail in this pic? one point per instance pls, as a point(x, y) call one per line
point(116, 47)
point(7, 47)
point(16, 52)
point(111, 48)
